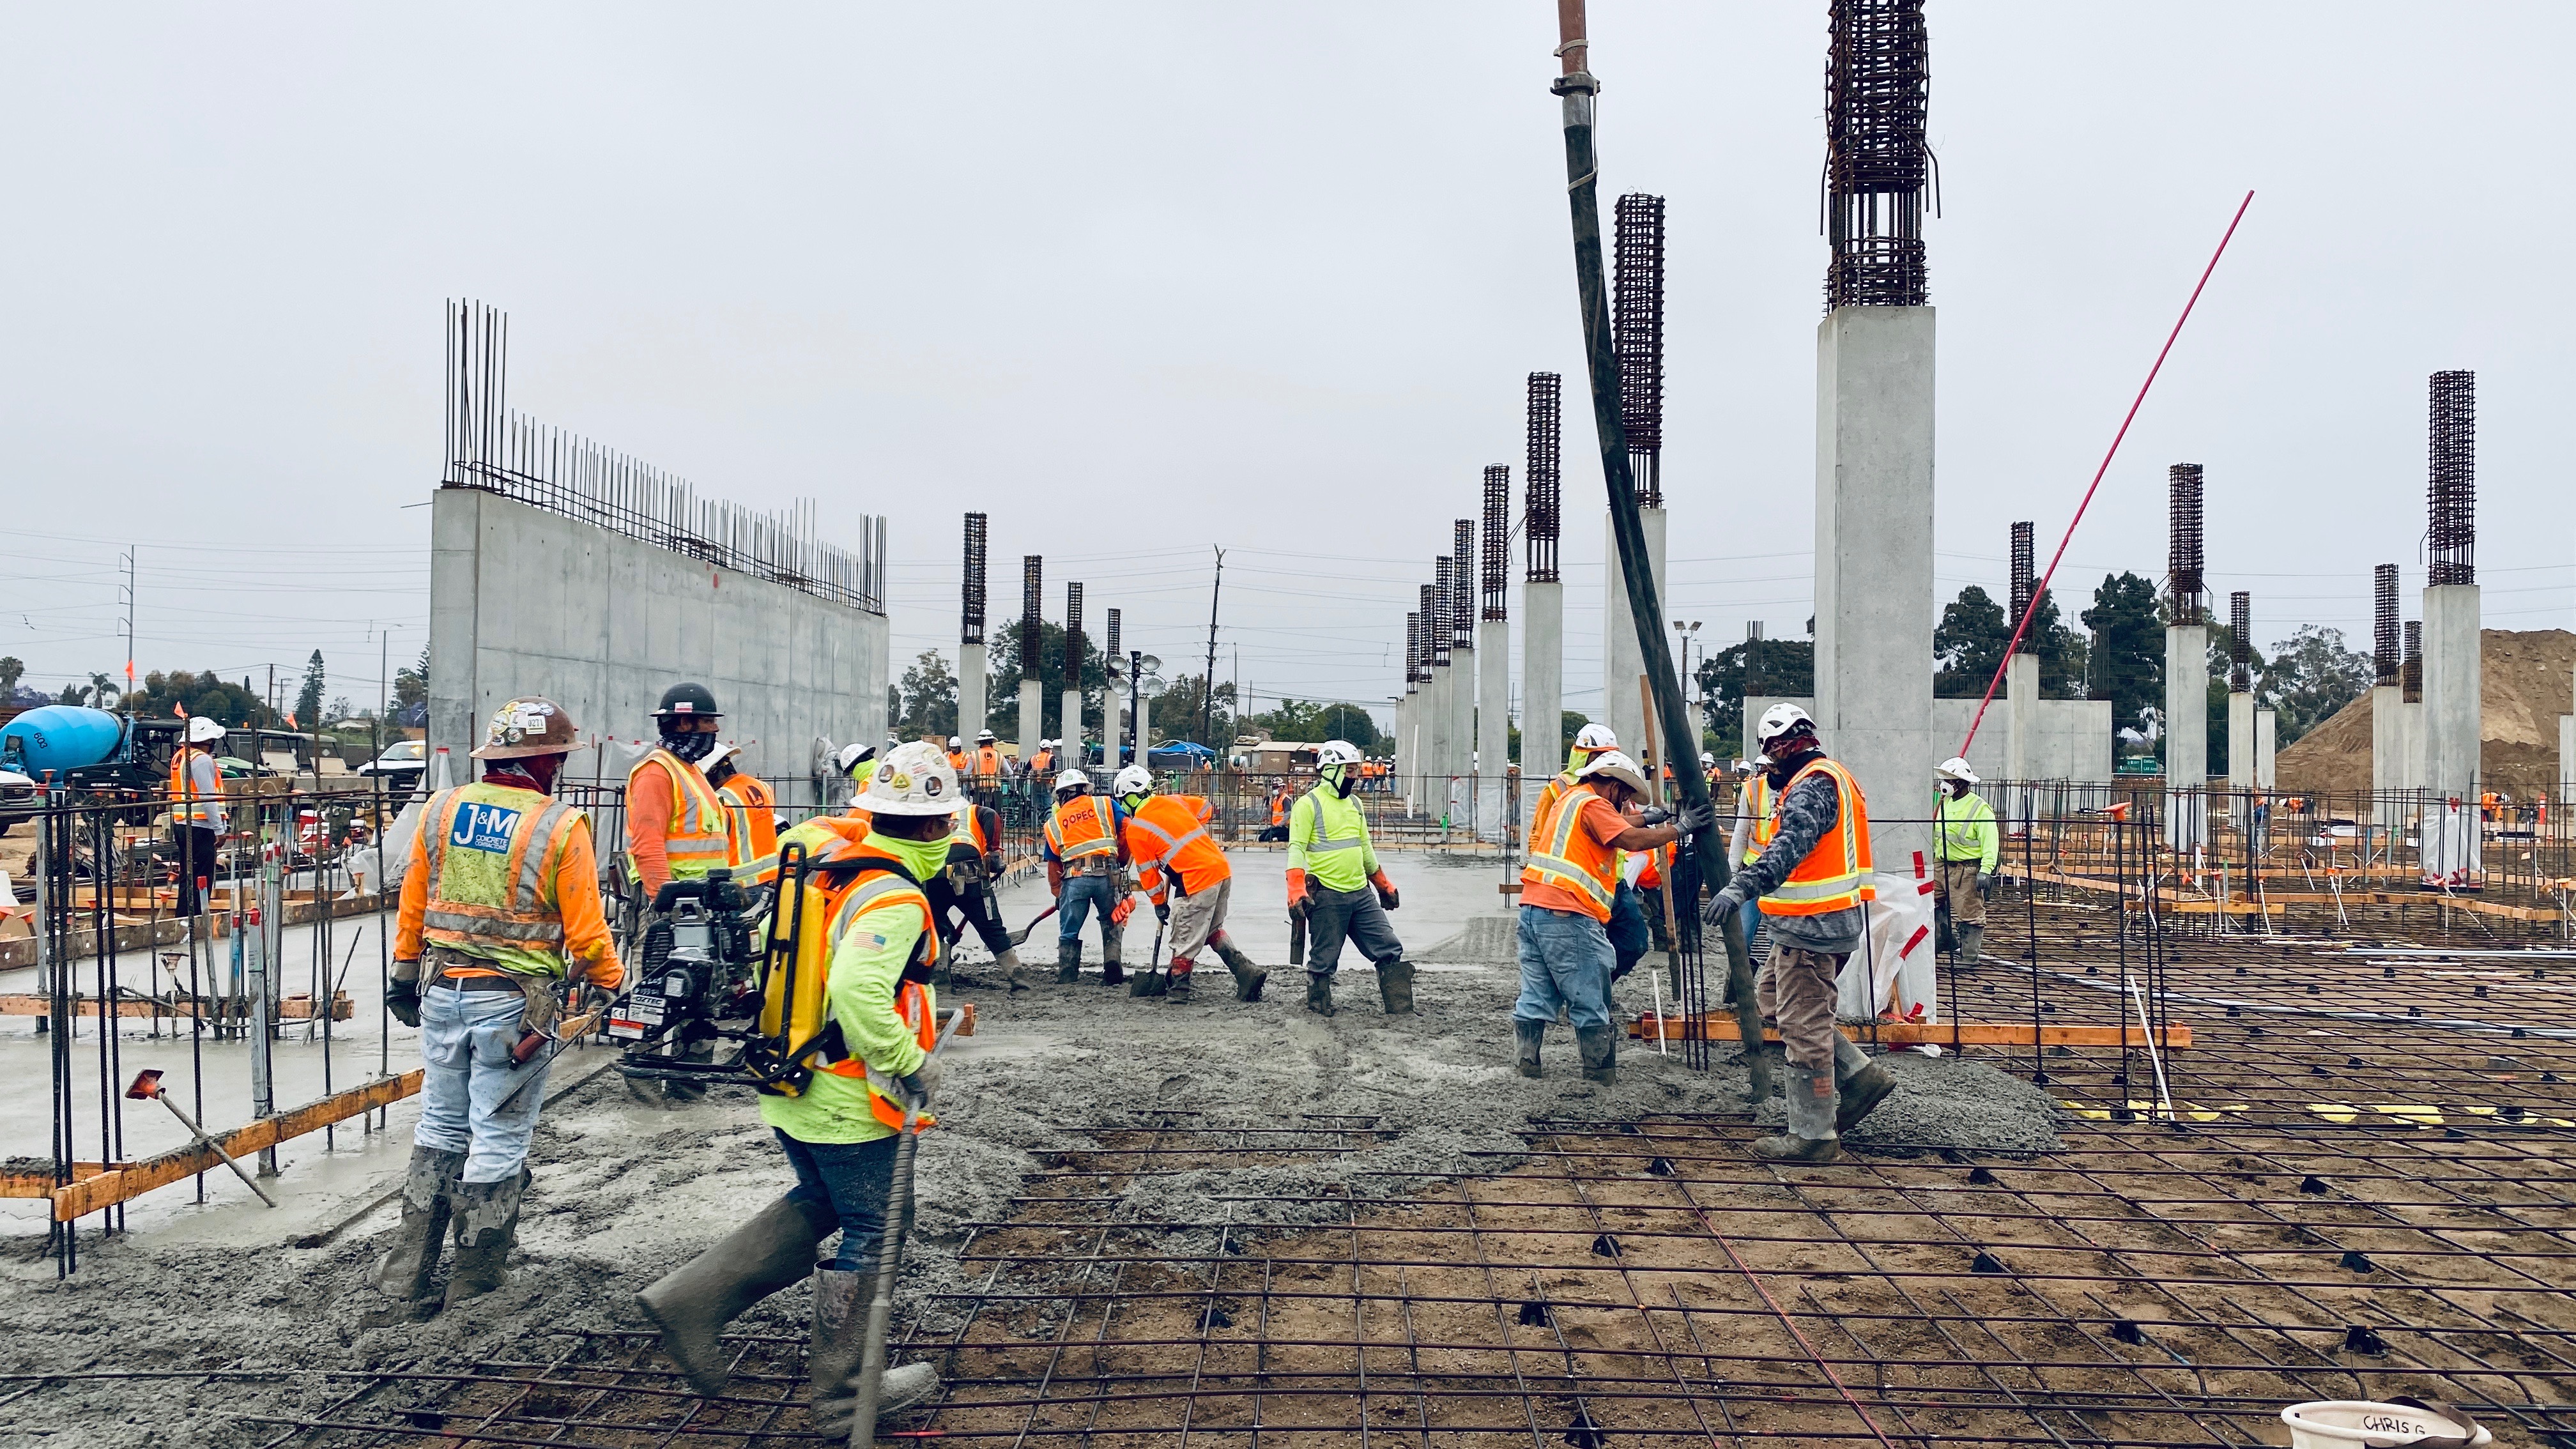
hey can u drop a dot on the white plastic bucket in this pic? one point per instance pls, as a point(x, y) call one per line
point(2343, 1423)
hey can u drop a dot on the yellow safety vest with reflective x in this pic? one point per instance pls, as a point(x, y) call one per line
point(493, 852)
point(1966, 831)
point(1757, 804)
point(700, 839)
point(1328, 839)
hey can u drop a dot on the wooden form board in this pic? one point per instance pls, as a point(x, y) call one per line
point(1721, 1027)
point(293, 1008)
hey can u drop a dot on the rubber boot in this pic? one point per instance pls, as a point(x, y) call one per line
point(1319, 992)
point(1248, 978)
point(1013, 974)
point(1526, 1039)
point(1972, 941)
point(487, 1223)
point(839, 1343)
point(1395, 987)
point(428, 1198)
point(1113, 940)
point(1068, 962)
point(1599, 1046)
point(1176, 982)
point(692, 1303)
point(1810, 1138)
point(1859, 1084)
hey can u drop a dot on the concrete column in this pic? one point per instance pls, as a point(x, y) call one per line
point(1621, 660)
point(970, 692)
point(1493, 723)
point(2453, 677)
point(2566, 756)
point(1874, 594)
point(2186, 735)
point(2240, 740)
point(1435, 740)
point(2266, 727)
point(1032, 718)
point(1072, 726)
point(1542, 688)
point(1145, 731)
point(1462, 733)
point(2021, 730)
point(2387, 738)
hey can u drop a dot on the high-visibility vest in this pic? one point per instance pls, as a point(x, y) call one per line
point(493, 851)
point(698, 840)
point(957, 762)
point(1082, 827)
point(186, 805)
point(1043, 763)
point(1835, 876)
point(1340, 839)
point(1962, 826)
point(1758, 803)
point(751, 821)
point(1171, 830)
point(1279, 808)
point(988, 762)
point(834, 901)
point(1565, 855)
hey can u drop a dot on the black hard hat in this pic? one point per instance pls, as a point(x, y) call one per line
point(693, 700)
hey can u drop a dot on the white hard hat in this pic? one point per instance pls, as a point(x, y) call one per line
point(1744, 767)
point(983, 737)
point(954, 742)
point(1618, 767)
point(1134, 780)
point(1337, 752)
point(1072, 780)
point(202, 729)
point(914, 780)
point(1595, 737)
point(1955, 768)
point(853, 756)
point(723, 751)
point(1707, 761)
point(1781, 719)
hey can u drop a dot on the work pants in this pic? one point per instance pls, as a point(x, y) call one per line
point(1197, 920)
point(974, 904)
point(1629, 937)
point(1333, 916)
point(465, 1041)
point(1565, 961)
point(196, 846)
point(1081, 894)
point(1271, 833)
point(855, 1181)
point(1796, 990)
point(1959, 887)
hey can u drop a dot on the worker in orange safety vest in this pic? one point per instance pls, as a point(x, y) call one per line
point(1167, 837)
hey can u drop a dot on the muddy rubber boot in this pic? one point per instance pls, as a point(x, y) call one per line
point(1319, 992)
point(487, 1223)
point(1810, 1138)
point(1111, 973)
point(1527, 1036)
point(1014, 975)
point(1395, 987)
point(1600, 1048)
point(1113, 941)
point(692, 1303)
point(428, 1198)
point(1248, 978)
point(1859, 1094)
point(1176, 982)
point(1068, 963)
point(839, 1342)
point(1972, 941)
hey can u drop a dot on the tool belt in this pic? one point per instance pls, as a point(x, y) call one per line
point(539, 1007)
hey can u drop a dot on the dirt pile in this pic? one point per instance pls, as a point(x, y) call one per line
point(2525, 687)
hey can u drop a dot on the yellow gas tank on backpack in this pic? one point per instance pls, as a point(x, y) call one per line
point(797, 1032)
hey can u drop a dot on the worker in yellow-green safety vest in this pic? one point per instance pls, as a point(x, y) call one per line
point(839, 1129)
point(1966, 848)
point(1335, 885)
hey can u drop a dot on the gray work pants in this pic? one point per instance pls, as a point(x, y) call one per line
point(1333, 916)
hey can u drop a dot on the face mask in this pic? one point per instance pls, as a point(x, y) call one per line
point(690, 747)
point(1342, 781)
point(923, 858)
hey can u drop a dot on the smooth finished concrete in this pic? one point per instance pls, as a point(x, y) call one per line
point(2186, 735)
point(1622, 662)
point(1462, 734)
point(1436, 717)
point(1493, 726)
point(2266, 733)
point(2242, 751)
point(523, 601)
point(2389, 766)
point(1032, 717)
point(2452, 680)
point(2567, 754)
point(972, 686)
point(1542, 688)
point(1069, 719)
point(1874, 593)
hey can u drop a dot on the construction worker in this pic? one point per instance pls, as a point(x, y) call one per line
point(1626, 926)
point(839, 1131)
point(1337, 888)
point(1085, 847)
point(1167, 838)
point(1814, 880)
point(675, 821)
point(1277, 829)
point(957, 757)
point(1754, 828)
point(1966, 848)
point(751, 808)
point(988, 761)
point(500, 905)
point(1045, 762)
point(198, 817)
point(1567, 887)
point(965, 887)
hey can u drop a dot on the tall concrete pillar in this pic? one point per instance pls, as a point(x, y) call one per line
point(2021, 734)
point(1462, 731)
point(2186, 735)
point(1874, 595)
point(2240, 740)
point(2266, 731)
point(1622, 663)
point(2389, 772)
point(1493, 724)
point(1542, 687)
point(2566, 756)
point(1032, 718)
point(2453, 677)
point(970, 690)
point(1145, 730)
point(1071, 724)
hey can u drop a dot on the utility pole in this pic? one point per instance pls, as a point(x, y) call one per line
point(1207, 701)
point(126, 699)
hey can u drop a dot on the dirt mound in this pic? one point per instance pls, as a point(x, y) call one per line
point(2525, 687)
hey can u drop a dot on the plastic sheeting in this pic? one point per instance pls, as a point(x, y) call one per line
point(1896, 972)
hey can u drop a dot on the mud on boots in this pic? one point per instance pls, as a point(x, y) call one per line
point(1567, 890)
point(1813, 880)
point(1860, 1084)
point(1182, 869)
point(478, 956)
point(1335, 879)
point(1085, 849)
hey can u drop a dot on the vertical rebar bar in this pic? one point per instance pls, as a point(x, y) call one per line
point(1541, 477)
point(2386, 652)
point(970, 627)
point(2186, 592)
point(2452, 531)
point(1877, 91)
point(1637, 323)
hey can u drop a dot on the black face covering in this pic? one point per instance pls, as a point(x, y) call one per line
point(690, 747)
point(1342, 782)
point(1784, 766)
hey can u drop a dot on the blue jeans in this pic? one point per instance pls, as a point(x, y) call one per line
point(854, 1180)
point(1081, 894)
point(1751, 916)
point(1629, 938)
point(465, 1041)
point(1565, 959)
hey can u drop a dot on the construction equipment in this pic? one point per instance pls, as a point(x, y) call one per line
point(872, 1362)
point(146, 1087)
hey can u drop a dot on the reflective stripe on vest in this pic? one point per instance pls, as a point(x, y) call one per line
point(183, 787)
point(698, 840)
point(521, 919)
point(1102, 844)
point(1835, 874)
point(912, 1007)
point(1319, 843)
point(1958, 838)
point(1559, 865)
point(1761, 804)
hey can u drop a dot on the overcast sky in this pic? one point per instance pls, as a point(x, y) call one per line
point(1142, 280)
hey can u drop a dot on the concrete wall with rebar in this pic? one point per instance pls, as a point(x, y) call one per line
point(526, 601)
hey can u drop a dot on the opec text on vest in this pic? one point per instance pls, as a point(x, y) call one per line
point(484, 827)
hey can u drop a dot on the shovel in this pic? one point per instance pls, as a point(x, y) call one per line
point(1022, 934)
point(872, 1359)
point(147, 1088)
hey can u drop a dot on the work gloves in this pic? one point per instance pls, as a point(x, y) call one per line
point(590, 995)
point(1653, 815)
point(1989, 883)
point(1162, 913)
point(402, 998)
point(924, 1081)
point(1387, 896)
point(1700, 818)
point(1721, 906)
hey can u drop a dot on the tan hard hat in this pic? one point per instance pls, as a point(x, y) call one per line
point(529, 725)
point(1616, 766)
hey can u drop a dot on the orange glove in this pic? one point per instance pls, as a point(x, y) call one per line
point(1119, 913)
point(1387, 899)
point(1296, 883)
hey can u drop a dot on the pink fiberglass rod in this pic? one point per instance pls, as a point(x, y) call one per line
point(2041, 592)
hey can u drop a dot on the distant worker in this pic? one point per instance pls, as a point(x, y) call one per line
point(1567, 887)
point(1167, 837)
point(988, 761)
point(1590, 742)
point(1085, 847)
point(1335, 883)
point(675, 821)
point(965, 888)
point(1044, 764)
point(839, 1130)
point(957, 757)
point(1277, 829)
point(1966, 847)
point(751, 809)
point(198, 817)
point(500, 908)
point(1814, 883)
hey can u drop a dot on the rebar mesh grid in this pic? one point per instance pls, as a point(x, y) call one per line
point(2385, 647)
point(2240, 642)
point(2186, 589)
point(1877, 90)
point(2410, 670)
point(1032, 605)
point(1496, 573)
point(1112, 658)
point(2025, 583)
point(2452, 491)
point(1637, 339)
point(1073, 645)
point(1462, 584)
point(1412, 652)
point(1432, 629)
point(1540, 475)
point(1444, 597)
point(971, 582)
